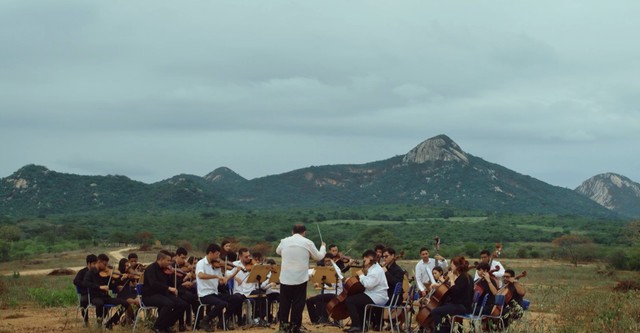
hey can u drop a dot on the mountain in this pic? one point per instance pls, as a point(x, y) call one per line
point(436, 172)
point(34, 190)
point(613, 191)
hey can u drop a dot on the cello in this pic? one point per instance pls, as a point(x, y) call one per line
point(508, 296)
point(336, 307)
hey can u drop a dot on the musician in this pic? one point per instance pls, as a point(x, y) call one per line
point(438, 276)
point(392, 271)
point(241, 288)
point(272, 290)
point(485, 256)
point(226, 253)
point(372, 277)
point(460, 294)
point(78, 281)
point(513, 310)
point(125, 289)
point(489, 286)
point(208, 277)
point(317, 305)
point(379, 248)
point(99, 281)
point(296, 250)
point(133, 261)
point(424, 269)
point(156, 291)
point(344, 267)
point(185, 284)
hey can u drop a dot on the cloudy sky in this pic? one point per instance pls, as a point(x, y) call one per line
point(152, 89)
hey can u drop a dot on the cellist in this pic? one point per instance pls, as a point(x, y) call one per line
point(486, 285)
point(460, 293)
point(373, 279)
point(485, 256)
point(513, 309)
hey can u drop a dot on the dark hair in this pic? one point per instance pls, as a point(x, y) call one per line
point(225, 242)
point(331, 246)
point(242, 250)
point(91, 258)
point(379, 247)
point(122, 265)
point(439, 269)
point(483, 266)
point(510, 271)
point(257, 255)
point(213, 247)
point(299, 228)
point(390, 250)
point(485, 252)
point(163, 254)
point(103, 257)
point(328, 255)
point(270, 261)
point(462, 265)
point(181, 250)
point(132, 255)
point(424, 249)
point(369, 253)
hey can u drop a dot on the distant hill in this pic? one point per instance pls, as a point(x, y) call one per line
point(613, 191)
point(436, 172)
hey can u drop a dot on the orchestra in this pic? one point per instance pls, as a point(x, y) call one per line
point(177, 284)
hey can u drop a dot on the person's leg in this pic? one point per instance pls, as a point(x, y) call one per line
point(297, 306)
point(312, 303)
point(286, 296)
point(355, 306)
point(99, 303)
point(165, 307)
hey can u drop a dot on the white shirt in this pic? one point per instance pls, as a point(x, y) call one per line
point(499, 273)
point(240, 286)
point(270, 288)
point(207, 286)
point(296, 251)
point(424, 271)
point(375, 285)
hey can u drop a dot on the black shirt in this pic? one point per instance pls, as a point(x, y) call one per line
point(92, 281)
point(394, 274)
point(487, 291)
point(462, 291)
point(78, 281)
point(155, 281)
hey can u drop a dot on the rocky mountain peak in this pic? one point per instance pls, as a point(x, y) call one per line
point(611, 190)
point(438, 148)
point(224, 175)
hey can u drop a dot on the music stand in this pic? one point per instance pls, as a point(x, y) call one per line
point(257, 275)
point(324, 275)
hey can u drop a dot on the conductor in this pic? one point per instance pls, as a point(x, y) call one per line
point(295, 251)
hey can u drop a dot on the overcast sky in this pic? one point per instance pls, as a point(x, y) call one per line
point(152, 89)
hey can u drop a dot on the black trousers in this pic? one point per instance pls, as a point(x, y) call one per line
point(170, 307)
point(84, 302)
point(99, 302)
point(442, 311)
point(192, 304)
point(272, 299)
point(219, 301)
point(355, 306)
point(292, 298)
point(317, 307)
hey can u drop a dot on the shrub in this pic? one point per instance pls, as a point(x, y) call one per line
point(53, 297)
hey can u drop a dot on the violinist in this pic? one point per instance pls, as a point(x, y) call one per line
point(272, 290)
point(486, 285)
point(241, 288)
point(424, 269)
point(208, 275)
point(460, 294)
point(343, 262)
point(393, 272)
point(78, 281)
point(317, 305)
point(227, 254)
point(185, 284)
point(99, 280)
point(372, 277)
point(485, 256)
point(296, 250)
point(379, 248)
point(125, 290)
point(156, 291)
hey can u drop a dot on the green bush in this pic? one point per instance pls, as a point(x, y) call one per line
point(53, 297)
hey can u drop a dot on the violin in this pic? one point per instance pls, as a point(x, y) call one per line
point(345, 259)
point(110, 273)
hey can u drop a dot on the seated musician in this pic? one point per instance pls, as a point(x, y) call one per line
point(156, 291)
point(126, 286)
point(317, 305)
point(488, 285)
point(226, 253)
point(375, 284)
point(438, 276)
point(243, 289)
point(485, 256)
point(424, 269)
point(208, 276)
point(273, 291)
point(185, 283)
point(379, 248)
point(460, 294)
point(99, 281)
point(343, 264)
point(78, 281)
point(133, 262)
point(513, 309)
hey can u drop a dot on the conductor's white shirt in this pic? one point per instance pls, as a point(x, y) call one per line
point(296, 251)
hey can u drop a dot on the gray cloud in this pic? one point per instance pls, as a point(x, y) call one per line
point(151, 90)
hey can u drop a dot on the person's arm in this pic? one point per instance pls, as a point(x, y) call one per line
point(279, 248)
point(315, 254)
point(418, 278)
point(204, 276)
point(490, 283)
point(90, 283)
point(79, 278)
